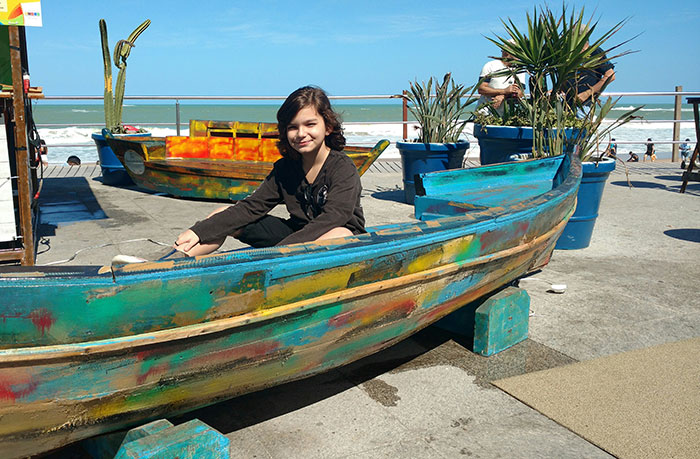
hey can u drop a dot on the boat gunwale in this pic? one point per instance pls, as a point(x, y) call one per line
point(431, 228)
point(18, 356)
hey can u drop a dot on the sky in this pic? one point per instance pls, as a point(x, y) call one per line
point(353, 47)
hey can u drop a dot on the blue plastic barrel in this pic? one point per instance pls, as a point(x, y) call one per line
point(113, 172)
point(578, 231)
point(420, 158)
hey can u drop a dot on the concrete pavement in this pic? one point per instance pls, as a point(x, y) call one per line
point(429, 396)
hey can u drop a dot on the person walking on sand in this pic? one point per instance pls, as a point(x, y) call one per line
point(651, 151)
point(318, 183)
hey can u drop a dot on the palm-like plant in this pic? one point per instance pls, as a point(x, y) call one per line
point(552, 51)
point(439, 114)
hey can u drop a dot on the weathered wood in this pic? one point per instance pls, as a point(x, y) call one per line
point(87, 350)
point(678, 102)
point(501, 321)
point(191, 440)
point(106, 446)
point(25, 194)
point(688, 174)
point(211, 167)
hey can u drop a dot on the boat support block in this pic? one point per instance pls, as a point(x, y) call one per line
point(495, 323)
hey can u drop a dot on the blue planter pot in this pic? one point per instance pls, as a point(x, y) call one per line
point(113, 172)
point(420, 158)
point(578, 231)
point(500, 144)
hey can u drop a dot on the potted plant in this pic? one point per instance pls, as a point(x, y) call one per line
point(551, 53)
point(113, 173)
point(439, 115)
point(545, 122)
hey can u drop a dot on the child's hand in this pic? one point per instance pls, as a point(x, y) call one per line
point(186, 241)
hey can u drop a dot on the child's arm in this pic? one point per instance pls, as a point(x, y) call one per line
point(216, 227)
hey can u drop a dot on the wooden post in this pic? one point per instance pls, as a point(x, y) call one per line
point(405, 115)
point(21, 152)
point(676, 125)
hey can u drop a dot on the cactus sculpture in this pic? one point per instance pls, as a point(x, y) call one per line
point(113, 102)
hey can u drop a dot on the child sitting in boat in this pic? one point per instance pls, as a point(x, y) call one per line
point(317, 182)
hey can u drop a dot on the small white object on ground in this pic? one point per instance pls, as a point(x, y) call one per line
point(558, 288)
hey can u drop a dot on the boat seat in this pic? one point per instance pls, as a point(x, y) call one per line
point(453, 204)
point(481, 188)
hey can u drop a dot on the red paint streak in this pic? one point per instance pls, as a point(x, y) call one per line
point(156, 369)
point(374, 313)
point(7, 393)
point(42, 319)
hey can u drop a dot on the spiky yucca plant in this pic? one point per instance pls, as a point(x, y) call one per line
point(439, 114)
point(551, 50)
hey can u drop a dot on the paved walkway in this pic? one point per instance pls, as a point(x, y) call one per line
point(429, 396)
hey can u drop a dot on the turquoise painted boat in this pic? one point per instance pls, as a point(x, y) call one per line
point(86, 350)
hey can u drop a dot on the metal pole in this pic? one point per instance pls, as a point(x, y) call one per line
point(177, 116)
point(676, 126)
point(21, 152)
point(405, 115)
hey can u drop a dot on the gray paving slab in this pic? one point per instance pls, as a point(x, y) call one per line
point(429, 396)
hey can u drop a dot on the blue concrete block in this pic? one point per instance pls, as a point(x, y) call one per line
point(146, 429)
point(501, 321)
point(193, 439)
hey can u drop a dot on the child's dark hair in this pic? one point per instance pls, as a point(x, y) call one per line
point(309, 96)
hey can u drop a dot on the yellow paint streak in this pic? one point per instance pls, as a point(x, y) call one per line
point(126, 404)
point(425, 261)
point(325, 281)
point(236, 304)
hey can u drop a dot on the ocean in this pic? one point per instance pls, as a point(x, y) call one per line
point(66, 128)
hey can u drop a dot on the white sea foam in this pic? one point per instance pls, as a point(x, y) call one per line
point(630, 107)
point(76, 140)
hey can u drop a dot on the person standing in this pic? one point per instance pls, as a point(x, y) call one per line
point(587, 84)
point(497, 82)
point(650, 152)
point(685, 152)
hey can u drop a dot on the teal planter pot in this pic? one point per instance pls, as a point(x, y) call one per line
point(500, 144)
point(113, 172)
point(419, 158)
point(578, 231)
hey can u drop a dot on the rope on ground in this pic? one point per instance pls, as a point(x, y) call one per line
point(107, 245)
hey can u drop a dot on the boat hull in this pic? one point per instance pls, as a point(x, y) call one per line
point(278, 315)
point(152, 166)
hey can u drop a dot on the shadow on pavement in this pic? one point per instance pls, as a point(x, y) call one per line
point(684, 234)
point(389, 194)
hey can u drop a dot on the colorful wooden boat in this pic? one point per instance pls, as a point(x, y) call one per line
point(91, 349)
point(219, 160)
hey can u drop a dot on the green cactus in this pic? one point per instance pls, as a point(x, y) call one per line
point(114, 101)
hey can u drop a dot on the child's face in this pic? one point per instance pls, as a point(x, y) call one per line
point(307, 131)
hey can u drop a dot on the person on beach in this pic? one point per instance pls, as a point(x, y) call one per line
point(587, 84)
point(650, 152)
point(685, 152)
point(612, 149)
point(633, 158)
point(496, 84)
point(318, 183)
point(43, 153)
